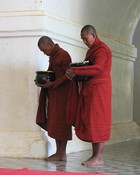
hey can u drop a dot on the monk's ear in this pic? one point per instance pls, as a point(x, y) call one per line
point(94, 35)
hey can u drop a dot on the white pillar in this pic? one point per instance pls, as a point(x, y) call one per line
point(20, 24)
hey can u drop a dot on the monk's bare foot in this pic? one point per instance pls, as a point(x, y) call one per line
point(94, 161)
point(56, 157)
point(83, 163)
point(46, 158)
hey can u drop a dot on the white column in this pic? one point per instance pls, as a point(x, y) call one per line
point(20, 27)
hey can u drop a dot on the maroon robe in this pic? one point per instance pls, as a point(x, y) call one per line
point(54, 119)
point(92, 113)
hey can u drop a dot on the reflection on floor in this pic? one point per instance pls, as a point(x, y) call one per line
point(120, 159)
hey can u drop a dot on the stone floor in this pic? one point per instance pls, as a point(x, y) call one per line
point(120, 159)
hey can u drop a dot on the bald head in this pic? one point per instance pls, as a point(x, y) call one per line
point(46, 45)
point(88, 35)
point(88, 29)
point(45, 40)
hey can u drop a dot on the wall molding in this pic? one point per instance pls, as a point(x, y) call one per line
point(18, 24)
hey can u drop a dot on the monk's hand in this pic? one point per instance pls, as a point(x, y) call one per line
point(70, 74)
point(47, 84)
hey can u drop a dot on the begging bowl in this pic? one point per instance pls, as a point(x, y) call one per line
point(78, 77)
point(40, 75)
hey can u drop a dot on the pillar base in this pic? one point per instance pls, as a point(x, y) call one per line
point(27, 144)
point(124, 132)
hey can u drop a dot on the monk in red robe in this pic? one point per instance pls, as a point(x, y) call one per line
point(92, 115)
point(54, 95)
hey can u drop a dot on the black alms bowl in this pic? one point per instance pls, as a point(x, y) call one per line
point(78, 77)
point(40, 75)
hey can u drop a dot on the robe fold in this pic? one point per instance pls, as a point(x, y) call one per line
point(41, 118)
point(51, 113)
point(92, 115)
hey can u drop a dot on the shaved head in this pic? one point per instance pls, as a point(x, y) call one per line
point(45, 40)
point(46, 45)
point(88, 29)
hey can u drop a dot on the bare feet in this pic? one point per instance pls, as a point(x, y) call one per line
point(56, 157)
point(84, 163)
point(93, 161)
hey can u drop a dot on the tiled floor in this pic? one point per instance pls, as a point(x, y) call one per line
point(120, 159)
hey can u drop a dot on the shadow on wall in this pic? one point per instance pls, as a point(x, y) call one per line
point(136, 108)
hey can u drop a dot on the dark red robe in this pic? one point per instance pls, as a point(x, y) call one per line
point(92, 113)
point(55, 120)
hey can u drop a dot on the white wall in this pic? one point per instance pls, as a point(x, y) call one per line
point(115, 18)
point(136, 42)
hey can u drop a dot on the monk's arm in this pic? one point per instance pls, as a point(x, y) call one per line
point(95, 69)
point(65, 65)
